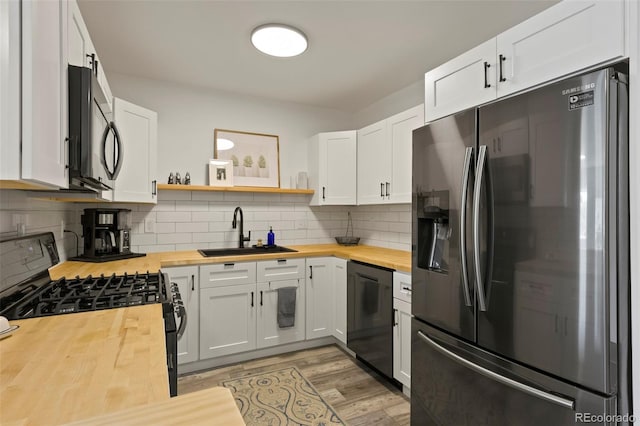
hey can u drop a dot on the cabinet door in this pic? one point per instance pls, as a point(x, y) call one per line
point(79, 43)
point(227, 320)
point(338, 165)
point(319, 297)
point(268, 331)
point(463, 82)
point(340, 299)
point(187, 279)
point(400, 128)
point(44, 92)
point(10, 90)
point(373, 163)
point(565, 38)
point(138, 128)
point(402, 342)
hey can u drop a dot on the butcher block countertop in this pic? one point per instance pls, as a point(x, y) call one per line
point(213, 406)
point(63, 368)
point(388, 258)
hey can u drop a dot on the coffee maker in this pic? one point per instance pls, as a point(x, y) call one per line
point(107, 235)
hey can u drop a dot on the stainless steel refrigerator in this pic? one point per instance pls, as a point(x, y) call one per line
point(520, 261)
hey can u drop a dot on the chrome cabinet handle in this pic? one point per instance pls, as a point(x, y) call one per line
point(387, 185)
point(501, 59)
point(538, 393)
point(463, 222)
point(382, 189)
point(487, 65)
point(482, 157)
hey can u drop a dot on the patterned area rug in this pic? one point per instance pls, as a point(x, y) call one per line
point(281, 398)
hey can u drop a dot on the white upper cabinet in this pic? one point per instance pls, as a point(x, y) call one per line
point(44, 93)
point(384, 158)
point(373, 165)
point(332, 168)
point(82, 53)
point(401, 128)
point(138, 130)
point(565, 38)
point(9, 90)
point(463, 82)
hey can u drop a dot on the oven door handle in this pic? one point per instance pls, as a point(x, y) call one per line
point(182, 314)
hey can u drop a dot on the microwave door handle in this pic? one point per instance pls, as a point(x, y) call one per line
point(118, 153)
point(482, 158)
point(463, 224)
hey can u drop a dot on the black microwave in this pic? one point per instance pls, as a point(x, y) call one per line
point(95, 150)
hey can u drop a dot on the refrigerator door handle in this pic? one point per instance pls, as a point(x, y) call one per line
point(482, 158)
point(463, 224)
point(538, 393)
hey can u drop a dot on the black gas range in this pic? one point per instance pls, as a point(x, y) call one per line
point(26, 291)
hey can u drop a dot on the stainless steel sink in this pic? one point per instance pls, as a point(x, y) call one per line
point(245, 251)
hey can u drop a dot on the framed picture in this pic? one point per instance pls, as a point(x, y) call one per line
point(254, 157)
point(220, 173)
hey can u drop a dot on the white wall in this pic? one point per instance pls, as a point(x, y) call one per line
point(187, 117)
point(392, 104)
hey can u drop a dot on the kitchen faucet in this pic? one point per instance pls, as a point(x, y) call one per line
point(242, 239)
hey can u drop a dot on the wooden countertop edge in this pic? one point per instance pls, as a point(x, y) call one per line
point(213, 406)
point(387, 258)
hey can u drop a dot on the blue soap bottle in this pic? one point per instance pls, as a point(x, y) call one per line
point(271, 237)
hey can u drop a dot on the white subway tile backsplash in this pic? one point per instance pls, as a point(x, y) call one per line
point(207, 196)
point(175, 238)
point(165, 195)
point(143, 239)
point(207, 216)
point(165, 227)
point(192, 206)
point(165, 206)
point(192, 227)
point(173, 216)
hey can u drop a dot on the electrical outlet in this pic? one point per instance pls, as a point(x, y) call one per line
point(149, 225)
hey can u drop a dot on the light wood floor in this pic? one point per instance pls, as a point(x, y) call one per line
point(357, 393)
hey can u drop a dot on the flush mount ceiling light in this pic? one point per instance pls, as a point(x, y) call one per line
point(279, 40)
point(224, 144)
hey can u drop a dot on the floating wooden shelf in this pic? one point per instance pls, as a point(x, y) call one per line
point(172, 187)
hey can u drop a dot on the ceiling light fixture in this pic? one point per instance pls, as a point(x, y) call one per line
point(279, 40)
point(224, 144)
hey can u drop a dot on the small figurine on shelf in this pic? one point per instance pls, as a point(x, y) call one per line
point(172, 179)
point(187, 179)
point(178, 179)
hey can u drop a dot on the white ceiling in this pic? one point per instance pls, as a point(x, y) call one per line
point(359, 51)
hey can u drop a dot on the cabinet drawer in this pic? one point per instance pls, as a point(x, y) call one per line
point(224, 274)
point(402, 286)
point(281, 269)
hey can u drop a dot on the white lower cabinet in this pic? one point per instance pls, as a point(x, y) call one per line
point(186, 277)
point(269, 333)
point(320, 285)
point(227, 308)
point(340, 299)
point(227, 320)
point(402, 328)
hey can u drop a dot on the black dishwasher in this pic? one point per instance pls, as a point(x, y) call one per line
point(370, 315)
